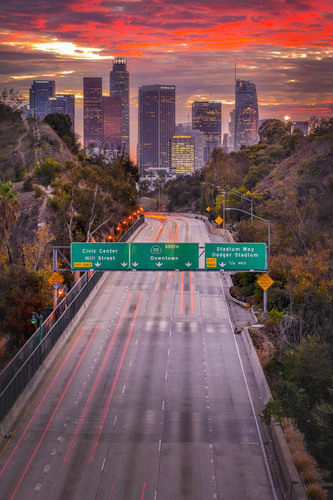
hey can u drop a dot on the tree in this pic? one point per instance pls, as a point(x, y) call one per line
point(313, 368)
point(8, 204)
point(47, 170)
point(62, 125)
point(10, 102)
point(272, 131)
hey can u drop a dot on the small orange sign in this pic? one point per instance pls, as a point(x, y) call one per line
point(55, 278)
point(265, 281)
point(218, 220)
point(211, 262)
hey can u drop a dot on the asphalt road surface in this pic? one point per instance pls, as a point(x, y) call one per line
point(149, 399)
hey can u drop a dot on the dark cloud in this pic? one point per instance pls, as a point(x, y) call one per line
point(192, 44)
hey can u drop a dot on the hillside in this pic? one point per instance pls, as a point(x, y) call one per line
point(50, 196)
point(26, 142)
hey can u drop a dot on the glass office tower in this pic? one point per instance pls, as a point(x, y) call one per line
point(40, 92)
point(182, 154)
point(112, 123)
point(92, 111)
point(156, 126)
point(246, 114)
point(119, 87)
point(207, 117)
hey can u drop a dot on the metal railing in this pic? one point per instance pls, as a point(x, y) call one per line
point(17, 374)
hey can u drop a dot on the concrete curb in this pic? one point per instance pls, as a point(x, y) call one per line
point(293, 482)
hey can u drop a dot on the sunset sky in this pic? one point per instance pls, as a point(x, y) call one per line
point(284, 47)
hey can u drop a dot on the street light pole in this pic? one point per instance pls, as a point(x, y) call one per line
point(34, 318)
point(237, 194)
point(268, 252)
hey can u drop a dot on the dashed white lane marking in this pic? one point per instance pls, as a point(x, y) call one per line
point(103, 465)
point(136, 342)
point(131, 362)
point(115, 420)
point(159, 445)
point(163, 404)
point(123, 389)
point(47, 468)
point(166, 376)
point(38, 487)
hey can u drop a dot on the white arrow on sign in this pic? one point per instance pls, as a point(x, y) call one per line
point(188, 264)
point(222, 264)
point(97, 264)
point(124, 264)
point(159, 264)
point(135, 264)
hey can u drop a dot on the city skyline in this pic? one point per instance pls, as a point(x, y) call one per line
point(284, 48)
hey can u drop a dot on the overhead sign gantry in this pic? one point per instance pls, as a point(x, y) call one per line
point(168, 256)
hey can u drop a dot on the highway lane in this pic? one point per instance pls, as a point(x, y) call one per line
point(149, 399)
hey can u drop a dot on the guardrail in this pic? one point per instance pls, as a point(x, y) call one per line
point(15, 377)
point(17, 374)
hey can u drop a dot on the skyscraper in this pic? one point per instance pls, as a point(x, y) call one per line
point(182, 154)
point(40, 92)
point(63, 103)
point(207, 117)
point(119, 87)
point(92, 111)
point(197, 135)
point(156, 126)
point(112, 122)
point(246, 114)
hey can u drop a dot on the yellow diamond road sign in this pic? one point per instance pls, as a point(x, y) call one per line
point(55, 278)
point(265, 281)
point(218, 220)
point(208, 209)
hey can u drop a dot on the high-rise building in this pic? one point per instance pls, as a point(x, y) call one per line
point(119, 87)
point(112, 138)
point(207, 117)
point(182, 154)
point(156, 126)
point(231, 129)
point(40, 92)
point(64, 104)
point(92, 111)
point(197, 135)
point(246, 114)
point(302, 126)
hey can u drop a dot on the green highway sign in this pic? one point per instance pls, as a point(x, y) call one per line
point(235, 256)
point(163, 256)
point(99, 256)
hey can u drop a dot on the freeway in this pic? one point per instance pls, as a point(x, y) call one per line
point(150, 398)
